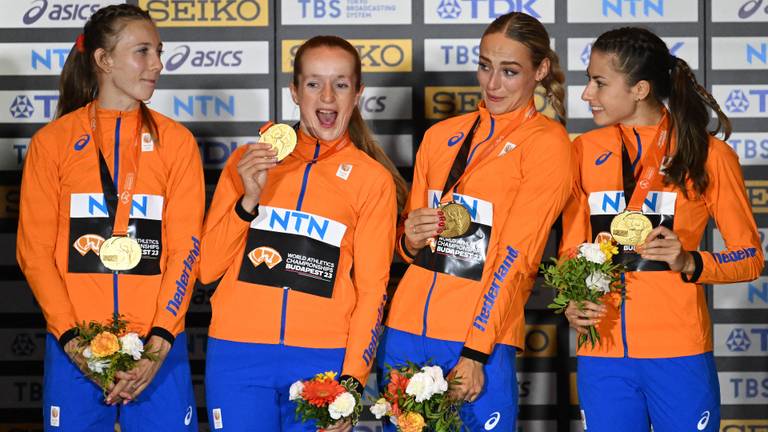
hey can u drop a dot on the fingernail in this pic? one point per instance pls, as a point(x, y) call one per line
point(442, 224)
point(439, 212)
point(439, 230)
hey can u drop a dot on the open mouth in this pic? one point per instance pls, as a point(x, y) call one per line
point(327, 118)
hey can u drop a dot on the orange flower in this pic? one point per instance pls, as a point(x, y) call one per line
point(104, 344)
point(321, 392)
point(411, 422)
point(397, 382)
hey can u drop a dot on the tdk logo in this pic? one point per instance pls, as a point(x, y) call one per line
point(60, 11)
point(585, 53)
point(738, 340)
point(203, 58)
point(204, 106)
point(453, 9)
point(21, 107)
point(633, 8)
point(737, 102)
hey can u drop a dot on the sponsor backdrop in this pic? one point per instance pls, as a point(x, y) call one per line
point(227, 69)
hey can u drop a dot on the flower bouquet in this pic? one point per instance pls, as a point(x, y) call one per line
point(416, 398)
point(585, 274)
point(109, 349)
point(326, 400)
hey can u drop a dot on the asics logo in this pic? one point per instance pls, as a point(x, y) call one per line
point(704, 421)
point(492, 421)
point(188, 417)
point(602, 158)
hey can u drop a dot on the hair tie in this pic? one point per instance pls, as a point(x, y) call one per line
point(80, 43)
point(672, 61)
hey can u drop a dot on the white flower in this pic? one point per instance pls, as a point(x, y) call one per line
point(422, 386)
point(393, 420)
point(436, 373)
point(380, 408)
point(295, 391)
point(97, 365)
point(598, 281)
point(342, 406)
point(87, 352)
point(592, 252)
point(132, 345)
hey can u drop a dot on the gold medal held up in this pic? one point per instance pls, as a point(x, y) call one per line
point(120, 253)
point(457, 219)
point(630, 228)
point(282, 138)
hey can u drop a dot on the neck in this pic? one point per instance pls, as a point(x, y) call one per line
point(110, 101)
point(647, 114)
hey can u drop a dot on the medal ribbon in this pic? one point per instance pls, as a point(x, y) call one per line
point(650, 166)
point(320, 156)
point(119, 205)
point(466, 159)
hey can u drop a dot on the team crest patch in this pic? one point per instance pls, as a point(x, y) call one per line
point(344, 171)
point(508, 147)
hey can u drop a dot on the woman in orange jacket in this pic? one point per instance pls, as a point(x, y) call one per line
point(303, 248)
point(655, 362)
point(460, 303)
point(110, 167)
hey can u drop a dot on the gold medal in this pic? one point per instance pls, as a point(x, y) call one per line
point(457, 219)
point(282, 138)
point(630, 228)
point(120, 253)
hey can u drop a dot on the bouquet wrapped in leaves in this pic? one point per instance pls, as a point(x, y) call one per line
point(585, 274)
point(326, 400)
point(109, 349)
point(416, 399)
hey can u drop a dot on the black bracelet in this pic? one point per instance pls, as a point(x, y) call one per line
point(475, 355)
point(163, 333)
point(698, 267)
point(243, 213)
point(67, 336)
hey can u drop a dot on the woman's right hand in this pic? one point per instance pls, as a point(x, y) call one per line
point(253, 167)
point(589, 314)
point(73, 351)
point(420, 226)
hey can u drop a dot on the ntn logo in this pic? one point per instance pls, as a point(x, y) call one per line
point(140, 205)
point(757, 51)
point(471, 204)
point(49, 58)
point(633, 7)
point(281, 219)
point(204, 105)
point(614, 202)
point(757, 291)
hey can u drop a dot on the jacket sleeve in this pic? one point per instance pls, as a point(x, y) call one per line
point(372, 244)
point(727, 203)
point(183, 219)
point(226, 225)
point(545, 187)
point(416, 199)
point(576, 225)
point(36, 239)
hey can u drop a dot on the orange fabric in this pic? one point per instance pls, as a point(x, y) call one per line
point(528, 186)
point(56, 168)
point(364, 202)
point(665, 316)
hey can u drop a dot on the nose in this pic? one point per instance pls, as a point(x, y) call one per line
point(586, 95)
point(495, 81)
point(156, 64)
point(327, 95)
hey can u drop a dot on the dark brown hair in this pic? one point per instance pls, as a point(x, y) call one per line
point(78, 84)
point(641, 55)
point(530, 32)
point(358, 130)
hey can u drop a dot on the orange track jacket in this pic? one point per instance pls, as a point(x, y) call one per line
point(663, 315)
point(63, 219)
point(347, 191)
point(525, 179)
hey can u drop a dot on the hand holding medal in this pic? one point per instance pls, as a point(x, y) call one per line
point(457, 219)
point(276, 143)
point(422, 226)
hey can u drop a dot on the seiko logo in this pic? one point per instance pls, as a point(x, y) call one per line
point(208, 13)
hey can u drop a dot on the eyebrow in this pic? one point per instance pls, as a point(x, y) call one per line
point(503, 63)
point(594, 76)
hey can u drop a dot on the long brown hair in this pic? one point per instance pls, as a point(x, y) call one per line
point(641, 55)
point(79, 84)
point(527, 30)
point(358, 130)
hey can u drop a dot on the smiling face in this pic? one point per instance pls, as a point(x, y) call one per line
point(611, 99)
point(130, 70)
point(506, 73)
point(325, 91)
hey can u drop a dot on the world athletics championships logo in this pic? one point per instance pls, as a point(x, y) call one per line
point(21, 107)
point(449, 9)
point(737, 102)
point(738, 341)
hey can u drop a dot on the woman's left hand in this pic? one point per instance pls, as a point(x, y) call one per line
point(471, 379)
point(663, 245)
point(339, 426)
point(131, 383)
